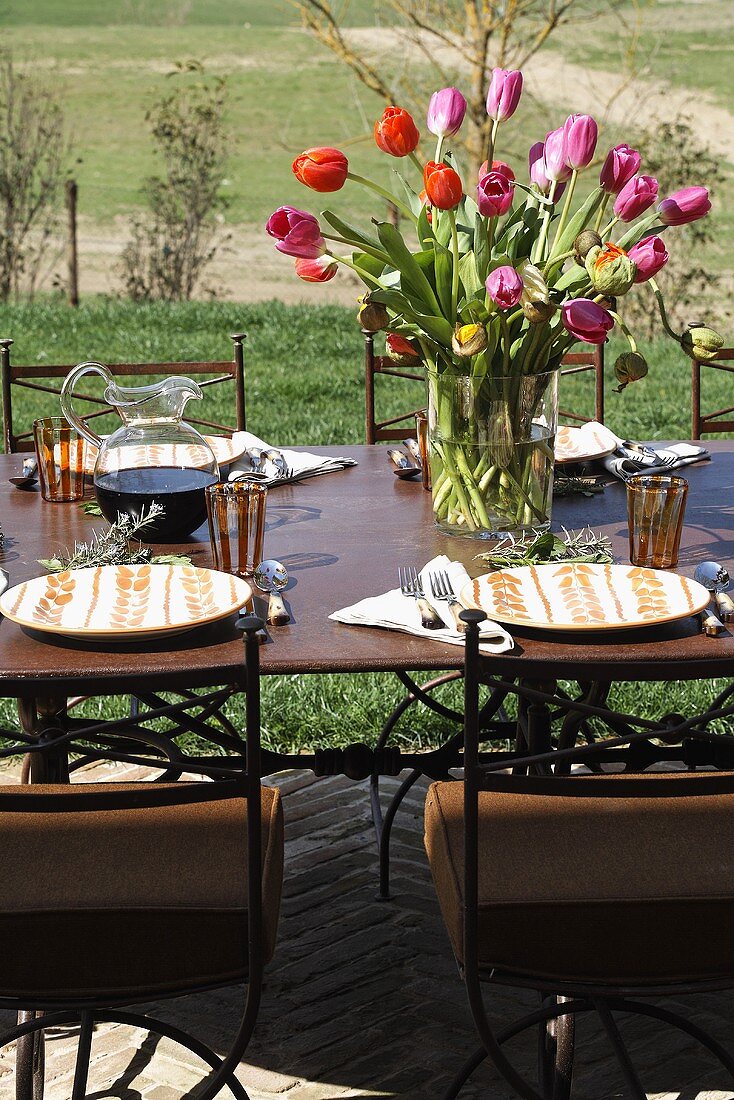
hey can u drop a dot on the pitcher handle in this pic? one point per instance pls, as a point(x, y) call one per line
point(66, 394)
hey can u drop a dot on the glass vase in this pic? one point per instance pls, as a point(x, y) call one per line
point(491, 443)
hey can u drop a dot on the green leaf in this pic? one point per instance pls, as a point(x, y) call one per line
point(584, 213)
point(469, 274)
point(543, 547)
point(481, 247)
point(368, 263)
point(355, 236)
point(414, 201)
point(412, 279)
point(91, 508)
point(54, 565)
point(424, 228)
point(171, 559)
point(443, 268)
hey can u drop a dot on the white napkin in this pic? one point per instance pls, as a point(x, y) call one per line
point(623, 465)
point(302, 463)
point(393, 611)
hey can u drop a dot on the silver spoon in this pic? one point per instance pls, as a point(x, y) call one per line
point(275, 458)
point(714, 577)
point(29, 474)
point(403, 468)
point(271, 576)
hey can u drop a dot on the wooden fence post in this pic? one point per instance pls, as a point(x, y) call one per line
point(71, 194)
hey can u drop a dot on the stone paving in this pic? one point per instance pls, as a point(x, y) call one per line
point(362, 998)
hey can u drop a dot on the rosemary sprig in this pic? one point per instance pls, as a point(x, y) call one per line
point(117, 545)
point(580, 546)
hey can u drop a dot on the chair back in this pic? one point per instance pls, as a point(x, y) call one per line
point(41, 378)
point(710, 423)
point(397, 427)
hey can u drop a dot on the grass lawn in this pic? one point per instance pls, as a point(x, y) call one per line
point(304, 385)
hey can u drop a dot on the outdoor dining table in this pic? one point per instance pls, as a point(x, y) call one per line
point(342, 537)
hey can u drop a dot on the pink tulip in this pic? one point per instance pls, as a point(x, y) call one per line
point(637, 196)
point(620, 165)
point(649, 255)
point(581, 134)
point(446, 112)
point(504, 93)
point(586, 320)
point(497, 166)
point(555, 156)
point(318, 270)
point(504, 286)
point(297, 232)
point(494, 194)
point(536, 167)
point(685, 206)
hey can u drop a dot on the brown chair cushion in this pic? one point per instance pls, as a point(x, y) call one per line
point(631, 890)
point(131, 901)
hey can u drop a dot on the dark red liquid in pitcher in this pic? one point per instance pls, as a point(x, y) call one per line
point(179, 492)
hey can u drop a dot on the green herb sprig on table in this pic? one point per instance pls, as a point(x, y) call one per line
point(580, 546)
point(117, 545)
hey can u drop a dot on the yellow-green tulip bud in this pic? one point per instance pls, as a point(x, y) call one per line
point(468, 340)
point(583, 244)
point(701, 342)
point(610, 269)
point(372, 316)
point(535, 300)
point(629, 367)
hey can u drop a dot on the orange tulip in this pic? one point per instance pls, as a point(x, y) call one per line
point(396, 133)
point(322, 169)
point(443, 185)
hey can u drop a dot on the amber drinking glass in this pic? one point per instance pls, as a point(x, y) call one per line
point(60, 454)
point(421, 431)
point(656, 505)
point(236, 511)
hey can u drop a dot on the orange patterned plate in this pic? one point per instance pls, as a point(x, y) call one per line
point(577, 596)
point(583, 444)
point(225, 448)
point(124, 602)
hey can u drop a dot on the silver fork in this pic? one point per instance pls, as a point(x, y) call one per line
point(442, 589)
point(411, 585)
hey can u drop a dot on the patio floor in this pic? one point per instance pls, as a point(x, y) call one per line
point(362, 998)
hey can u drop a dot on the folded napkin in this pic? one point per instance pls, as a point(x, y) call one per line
point(393, 611)
point(302, 463)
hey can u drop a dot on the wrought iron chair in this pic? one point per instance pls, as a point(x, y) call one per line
point(397, 427)
point(585, 887)
point(36, 377)
point(710, 423)
point(120, 893)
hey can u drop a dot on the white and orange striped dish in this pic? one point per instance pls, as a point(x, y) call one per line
point(225, 448)
point(124, 602)
point(583, 444)
point(579, 596)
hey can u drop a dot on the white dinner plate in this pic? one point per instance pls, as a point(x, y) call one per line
point(225, 449)
point(124, 602)
point(580, 596)
point(583, 444)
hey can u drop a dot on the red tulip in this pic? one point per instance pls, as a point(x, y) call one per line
point(494, 194)
point(650, 255)
point(497, 166)
point(504, 93)
point(322, 169)
point(586, 320)
point(400, 350)
point(637, 196)
point(319, 270)
point(396, 133)
point(685, 206)
point(620, 165)
point(443, 185)
point(504, 286)
point(297, 232)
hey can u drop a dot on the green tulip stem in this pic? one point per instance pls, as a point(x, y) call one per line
point(362, 274)
point(566, 208)
point(454, 266)
point(604, 233)
point(416, 161)
point(439, 148)
point(404, 210)
point(661, 306)
point(602, 210)
point(539, 249)
point(505, 344)
point(490, 146)
point(630, 338)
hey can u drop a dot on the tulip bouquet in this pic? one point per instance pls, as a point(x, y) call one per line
point(490, 289)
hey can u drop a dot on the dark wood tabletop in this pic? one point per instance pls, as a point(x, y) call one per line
point(342, 537)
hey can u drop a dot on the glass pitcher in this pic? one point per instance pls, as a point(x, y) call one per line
point(154, 456)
